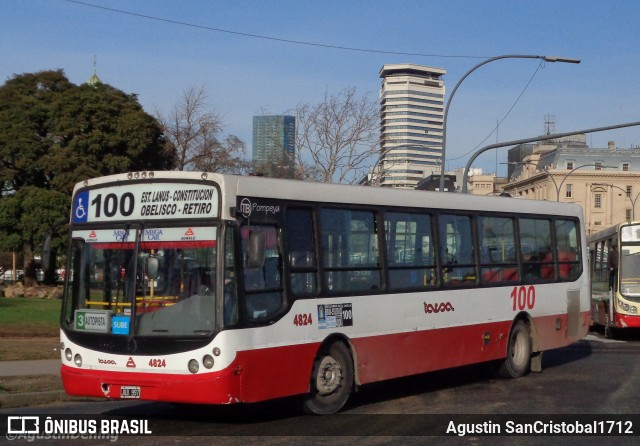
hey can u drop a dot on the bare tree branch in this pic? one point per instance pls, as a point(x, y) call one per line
point(193, 131)
point(339, 136)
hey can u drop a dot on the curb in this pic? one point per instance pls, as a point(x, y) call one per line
point(12, 400)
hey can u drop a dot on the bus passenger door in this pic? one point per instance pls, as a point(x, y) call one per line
point(262, 277)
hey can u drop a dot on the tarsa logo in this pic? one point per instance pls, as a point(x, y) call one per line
point(438, 308)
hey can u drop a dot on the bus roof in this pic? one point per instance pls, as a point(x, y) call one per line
point(262, 187)
point(608, 232)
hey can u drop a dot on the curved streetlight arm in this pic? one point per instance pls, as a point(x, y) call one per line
point(386, 151)
point(564, 178)
point(455, 88)
point(537, 138)
point(633, 201)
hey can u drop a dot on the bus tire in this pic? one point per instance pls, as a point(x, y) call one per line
point(518, 360)
point(331, 381)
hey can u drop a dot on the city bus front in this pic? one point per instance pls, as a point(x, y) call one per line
point(145, 294)
point(628, 297)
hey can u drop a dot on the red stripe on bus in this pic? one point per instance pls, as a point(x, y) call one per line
point(157, 245)
point(262, 374)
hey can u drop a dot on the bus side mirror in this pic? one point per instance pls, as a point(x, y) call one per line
point(152, 268)
point(256, 250)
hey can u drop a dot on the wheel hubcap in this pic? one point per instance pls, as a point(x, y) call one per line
point(329, 375)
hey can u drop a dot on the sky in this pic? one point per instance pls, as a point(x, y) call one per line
point(266, 57)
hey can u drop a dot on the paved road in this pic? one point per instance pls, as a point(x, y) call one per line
point(36, 367)
point(595, 376)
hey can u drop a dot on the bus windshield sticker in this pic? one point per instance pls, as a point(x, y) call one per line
point(146, 201)
point(335, 315)
point(93, 320)
point(120, 325)
point(187, 236)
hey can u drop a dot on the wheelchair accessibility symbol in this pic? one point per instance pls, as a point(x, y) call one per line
point(80, 211)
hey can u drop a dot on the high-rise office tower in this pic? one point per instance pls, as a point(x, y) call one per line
point(273, 151)
point(411, 110)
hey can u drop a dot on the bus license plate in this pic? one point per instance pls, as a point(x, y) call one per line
point(130, 392)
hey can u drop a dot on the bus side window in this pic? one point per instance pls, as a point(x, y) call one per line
point(457, 249)
point(568, 249)
point(410, 253)
point(300, 249)
point(535, 243)
point(350, 250)
point(496, 237)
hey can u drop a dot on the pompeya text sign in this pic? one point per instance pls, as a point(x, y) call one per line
point(146, 201)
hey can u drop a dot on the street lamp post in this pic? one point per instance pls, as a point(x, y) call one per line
point(564, 178)
point(455, 88)
point(537, 138)
point(555, 183)
point(633, 201)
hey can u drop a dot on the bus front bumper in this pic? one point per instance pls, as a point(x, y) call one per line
point(207, 388)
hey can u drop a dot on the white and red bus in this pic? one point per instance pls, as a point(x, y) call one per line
point(208, 288)
point(615, 277)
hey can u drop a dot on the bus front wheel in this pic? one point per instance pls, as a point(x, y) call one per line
point(518, 360)
point(331, 380)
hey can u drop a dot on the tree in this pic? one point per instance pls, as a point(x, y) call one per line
point(339, 135)
point(194, 133)
point(54, 134)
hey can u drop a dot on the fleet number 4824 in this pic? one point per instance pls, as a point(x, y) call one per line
point(523, 297)
point(302, 319)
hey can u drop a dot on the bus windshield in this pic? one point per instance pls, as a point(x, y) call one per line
point(147, 282)
point(630, 272)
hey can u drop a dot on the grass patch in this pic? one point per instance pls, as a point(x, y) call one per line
point(29, 328)
point(29, 317)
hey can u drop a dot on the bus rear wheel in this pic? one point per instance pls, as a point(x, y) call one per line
point(518, 360)
point(331, 381)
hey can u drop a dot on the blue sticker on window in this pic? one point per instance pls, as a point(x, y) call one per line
point(120, 325)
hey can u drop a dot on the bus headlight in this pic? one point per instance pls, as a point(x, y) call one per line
point(78, 360)
point(207, 361)
point(628, 308)
point(68, 354)
point(194, 366)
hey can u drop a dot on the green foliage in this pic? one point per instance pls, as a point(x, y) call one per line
point(41, 211)
point(54, 134)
